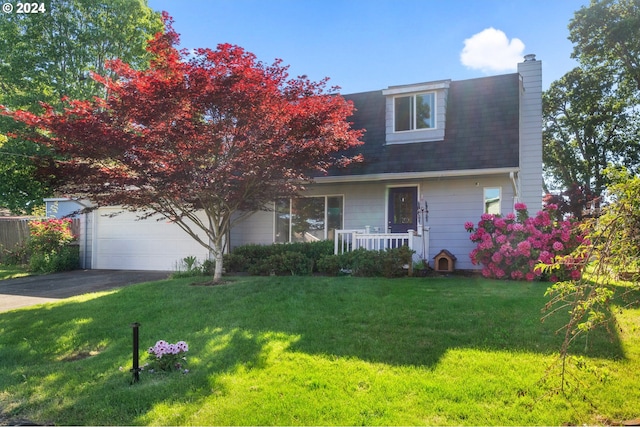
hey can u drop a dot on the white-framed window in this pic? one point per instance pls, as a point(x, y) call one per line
point(414, 112)
point(308, 219)
point(492, 200)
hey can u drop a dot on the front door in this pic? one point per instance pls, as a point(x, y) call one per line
point(403, 209)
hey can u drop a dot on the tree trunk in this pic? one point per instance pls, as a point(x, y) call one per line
point(217, 273)
point(218, 251)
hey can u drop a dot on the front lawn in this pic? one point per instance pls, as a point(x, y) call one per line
point(313, 351)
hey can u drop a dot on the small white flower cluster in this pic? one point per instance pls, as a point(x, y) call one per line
point(162, 347)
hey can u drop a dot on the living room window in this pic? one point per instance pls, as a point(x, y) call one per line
point(308, 219)
point(414, 112)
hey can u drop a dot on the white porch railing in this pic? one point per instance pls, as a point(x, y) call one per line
point(349, 240)
point(344, 240)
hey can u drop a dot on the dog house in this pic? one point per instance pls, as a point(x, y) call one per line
point(444, 261)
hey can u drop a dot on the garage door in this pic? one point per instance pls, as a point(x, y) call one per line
point(123, 242)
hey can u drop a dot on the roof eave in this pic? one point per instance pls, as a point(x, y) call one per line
point(414, 175)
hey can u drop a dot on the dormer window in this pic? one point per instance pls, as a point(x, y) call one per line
point(414, 112)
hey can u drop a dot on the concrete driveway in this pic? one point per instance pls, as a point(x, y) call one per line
point(26, 291)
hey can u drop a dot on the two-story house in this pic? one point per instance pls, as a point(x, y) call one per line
point(436, 155)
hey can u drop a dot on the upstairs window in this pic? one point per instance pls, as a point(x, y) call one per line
point(414, 112)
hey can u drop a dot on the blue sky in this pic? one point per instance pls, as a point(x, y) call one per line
point(364, 45)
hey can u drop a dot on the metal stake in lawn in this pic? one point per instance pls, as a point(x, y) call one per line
point(136, 365)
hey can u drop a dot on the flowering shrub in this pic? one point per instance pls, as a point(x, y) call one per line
point(49, 234)
point(168, 357)
point(512, 246)
point(48, 245)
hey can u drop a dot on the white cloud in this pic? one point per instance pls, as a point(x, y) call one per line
point(491, 51)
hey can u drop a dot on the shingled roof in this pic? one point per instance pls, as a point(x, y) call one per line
point(481, 132)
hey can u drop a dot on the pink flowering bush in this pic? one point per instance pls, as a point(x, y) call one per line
point(50, 234)
point(168, 357)
point(510, 247)
point(49, 246)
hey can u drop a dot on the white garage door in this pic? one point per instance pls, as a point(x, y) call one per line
point(122, 242)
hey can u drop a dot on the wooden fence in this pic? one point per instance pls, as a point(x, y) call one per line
point(13, 231)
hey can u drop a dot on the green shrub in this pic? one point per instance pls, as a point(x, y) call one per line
point(191, 267)
point(261, 269)
point(364, 263)
point(187, 267)
point(287, 263)
point(312, 250)
point(64, 259)
point(394, 260)
point(234, 263)
point(303, 258)
point(208, 267)
point(329, 265)
point(49, 246)
point(252, 253)
point(19, 255)
point(250, 257)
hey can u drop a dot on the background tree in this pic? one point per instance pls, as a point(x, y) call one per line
point(20, 190)
point(47, 56)
point(591, 114)
point(607, 34)
point(588, 125)
point(203, 141)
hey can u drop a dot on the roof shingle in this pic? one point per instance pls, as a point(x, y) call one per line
point(482, 128)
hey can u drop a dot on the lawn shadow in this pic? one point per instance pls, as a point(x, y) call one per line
point(78, 354)
point(230, 328)
point(398, 322)
point(416, 322)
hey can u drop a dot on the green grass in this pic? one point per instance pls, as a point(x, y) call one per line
point(12, 271)
point(312, 350)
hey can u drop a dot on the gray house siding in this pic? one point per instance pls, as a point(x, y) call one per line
point(257, 228)
point(452, 201)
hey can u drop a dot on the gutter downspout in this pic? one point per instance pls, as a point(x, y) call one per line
point(515, 182)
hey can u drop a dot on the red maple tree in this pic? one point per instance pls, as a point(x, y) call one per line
point(203, 138)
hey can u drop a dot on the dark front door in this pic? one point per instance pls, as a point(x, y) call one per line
point(403, 209)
